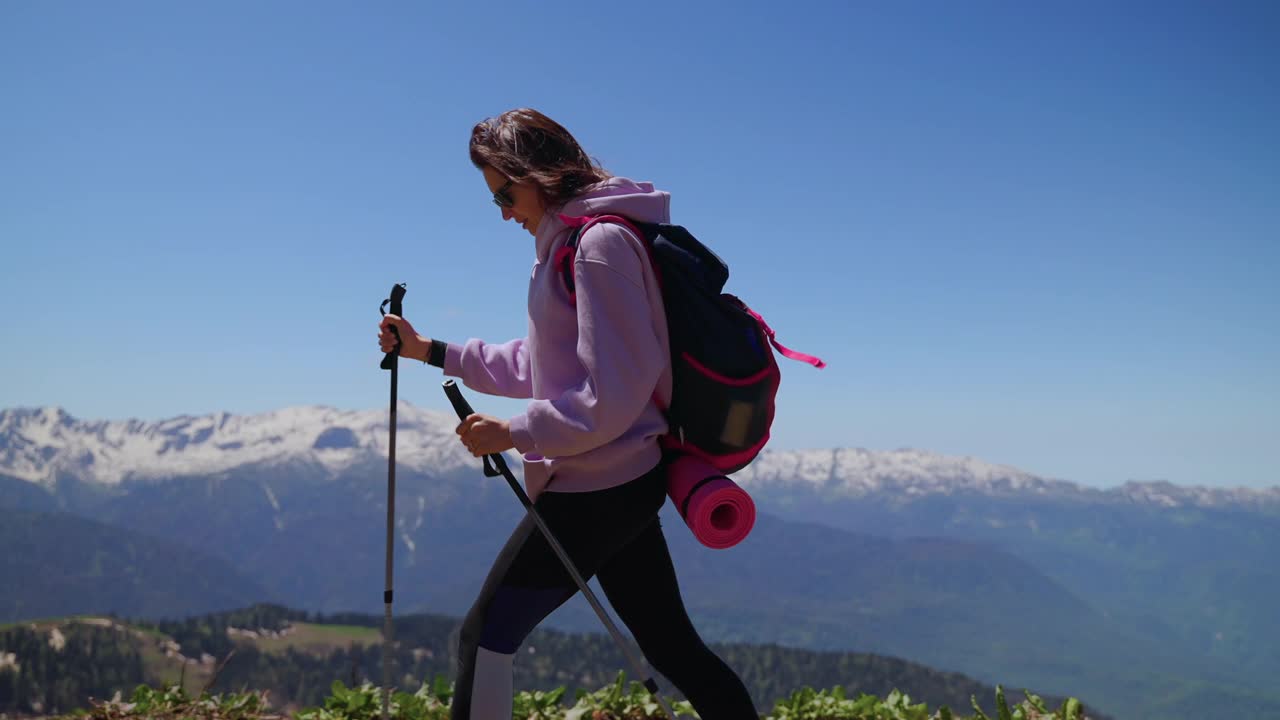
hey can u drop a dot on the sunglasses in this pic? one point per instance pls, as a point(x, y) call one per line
point(502, 198)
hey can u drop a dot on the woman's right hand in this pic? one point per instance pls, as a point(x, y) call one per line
point(412, 345)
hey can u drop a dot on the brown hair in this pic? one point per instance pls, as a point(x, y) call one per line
point(527, 146)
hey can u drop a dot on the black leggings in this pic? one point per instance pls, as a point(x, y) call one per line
point(613, 533)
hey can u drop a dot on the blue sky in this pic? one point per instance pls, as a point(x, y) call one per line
point(1040, 234)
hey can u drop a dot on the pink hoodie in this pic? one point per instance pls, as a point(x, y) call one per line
point(591, 371)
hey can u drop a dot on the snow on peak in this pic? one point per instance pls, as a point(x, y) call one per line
point(38, 444)
point(1165, 494)
point(857, 471)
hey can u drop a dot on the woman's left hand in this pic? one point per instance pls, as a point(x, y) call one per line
point(485, 435)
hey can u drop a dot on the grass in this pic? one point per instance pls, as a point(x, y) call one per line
point(318, 639)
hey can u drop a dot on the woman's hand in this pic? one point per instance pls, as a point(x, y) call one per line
point(412, 345)
point(485, 435)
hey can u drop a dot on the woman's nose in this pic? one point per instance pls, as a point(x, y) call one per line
point(507, 214)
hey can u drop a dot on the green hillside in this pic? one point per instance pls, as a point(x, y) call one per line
point(295, 658)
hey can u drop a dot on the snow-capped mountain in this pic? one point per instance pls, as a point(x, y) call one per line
point(39, 444)
point(908, 472)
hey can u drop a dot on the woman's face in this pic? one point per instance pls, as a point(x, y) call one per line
point(518, 201)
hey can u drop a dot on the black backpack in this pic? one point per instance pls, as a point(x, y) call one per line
point(724, 375)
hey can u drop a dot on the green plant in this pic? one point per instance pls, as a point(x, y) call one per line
point(621, 702)
point(171, 702)
point(808, 704)
point(431, 702)
point(538, 705)
point(616, 701)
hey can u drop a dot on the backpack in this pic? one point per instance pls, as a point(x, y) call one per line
point(723, 372)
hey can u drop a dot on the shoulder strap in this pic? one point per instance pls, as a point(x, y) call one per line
point(564, 261)
point(564, 256)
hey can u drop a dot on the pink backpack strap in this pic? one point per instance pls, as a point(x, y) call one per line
point(587, 221)
point(563, 259)
point(786, 352)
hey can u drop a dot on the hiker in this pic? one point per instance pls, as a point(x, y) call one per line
point(595, 370)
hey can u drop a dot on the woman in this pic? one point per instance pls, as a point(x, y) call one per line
point(594, 369)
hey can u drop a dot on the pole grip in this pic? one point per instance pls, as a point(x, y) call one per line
point(396, 300)
point(460, 404)
point(463, 408)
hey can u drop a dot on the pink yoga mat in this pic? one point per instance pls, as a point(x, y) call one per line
point(719, 513)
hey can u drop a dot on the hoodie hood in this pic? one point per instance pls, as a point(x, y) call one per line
point(638, 201)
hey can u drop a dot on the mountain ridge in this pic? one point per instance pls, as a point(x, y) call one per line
point(41, 444)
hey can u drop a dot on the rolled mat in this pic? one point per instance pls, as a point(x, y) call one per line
point(719, 513)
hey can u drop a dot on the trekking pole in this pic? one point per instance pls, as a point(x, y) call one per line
point(463, 408)
point(391, 361)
